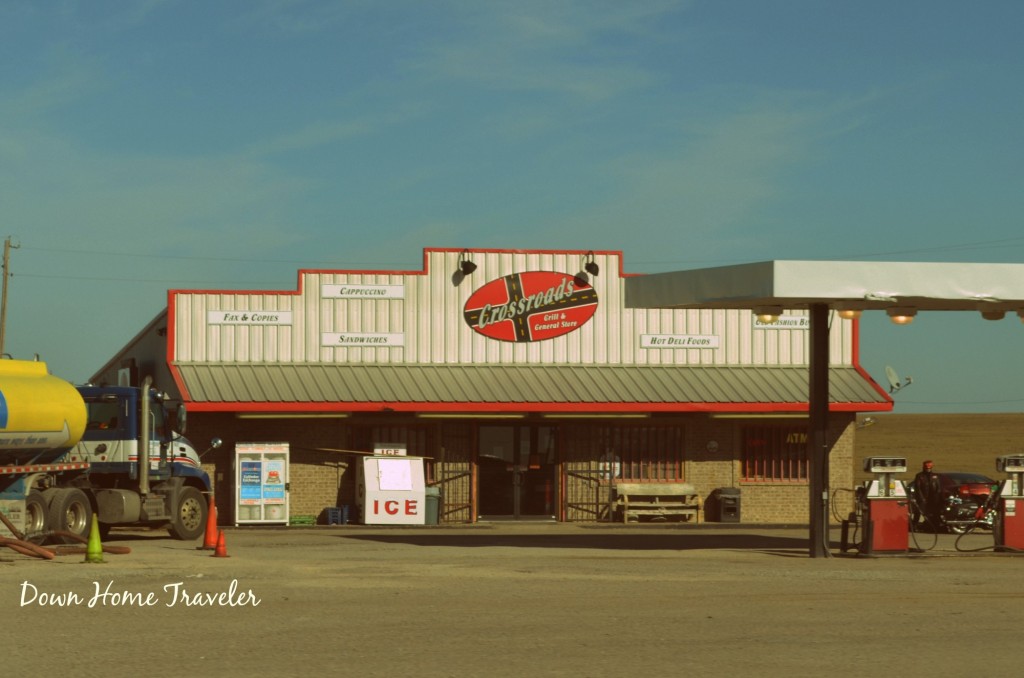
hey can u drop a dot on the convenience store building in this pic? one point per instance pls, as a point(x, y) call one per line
point(521, 376)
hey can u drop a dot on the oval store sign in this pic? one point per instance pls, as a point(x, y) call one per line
point(531, 306)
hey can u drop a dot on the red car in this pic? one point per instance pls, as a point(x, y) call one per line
point(967, 486)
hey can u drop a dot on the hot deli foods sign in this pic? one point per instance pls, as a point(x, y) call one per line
point(531, 306)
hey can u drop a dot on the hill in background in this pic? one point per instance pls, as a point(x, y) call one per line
point(955, 442)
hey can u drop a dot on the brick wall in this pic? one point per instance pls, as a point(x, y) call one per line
point(719, 465)
point(318, 478)
point(321, 479)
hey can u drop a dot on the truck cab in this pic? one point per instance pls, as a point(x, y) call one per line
point(110, 445)
point(110, 442)
point(70, 453)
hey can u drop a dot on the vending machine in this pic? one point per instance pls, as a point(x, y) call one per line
point(261, 483)
point(391, 490)
point(885, 504)
point(1009, 525)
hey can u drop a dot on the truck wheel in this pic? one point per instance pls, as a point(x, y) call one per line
point(36, 518)
point(188, 519)
point(70, 511)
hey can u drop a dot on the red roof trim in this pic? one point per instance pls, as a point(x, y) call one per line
point(496, 408)
point(855, 360)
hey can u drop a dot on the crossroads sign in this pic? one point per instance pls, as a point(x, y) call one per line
point(531, 306)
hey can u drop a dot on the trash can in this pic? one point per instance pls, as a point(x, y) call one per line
point(726, 505)
point(433, 501)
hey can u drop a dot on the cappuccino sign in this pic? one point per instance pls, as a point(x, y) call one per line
point(530, 306)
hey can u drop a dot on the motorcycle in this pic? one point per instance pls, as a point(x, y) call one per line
point(954, 514)
point(959, 515)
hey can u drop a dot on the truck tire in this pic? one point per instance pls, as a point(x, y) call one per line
point(37, 520)
point(70, 511)
point(188, 517)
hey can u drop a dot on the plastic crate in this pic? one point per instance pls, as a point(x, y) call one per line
point(337, 515)
point(302, 520)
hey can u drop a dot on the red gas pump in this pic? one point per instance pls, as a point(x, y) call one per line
point(885, 507)
point(1009, 525)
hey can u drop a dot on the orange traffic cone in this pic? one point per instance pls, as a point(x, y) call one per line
point(222, 548)
point(210, 539)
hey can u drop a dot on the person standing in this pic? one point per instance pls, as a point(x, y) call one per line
point(926, 494)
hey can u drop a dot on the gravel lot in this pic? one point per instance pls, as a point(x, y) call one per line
point(512, 600)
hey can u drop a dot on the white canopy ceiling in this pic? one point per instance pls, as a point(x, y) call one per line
point(840, 284)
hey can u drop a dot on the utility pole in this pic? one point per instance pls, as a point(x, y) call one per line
point(3, 302)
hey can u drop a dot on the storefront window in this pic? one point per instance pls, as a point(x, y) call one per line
point(775, 453)
point(628, 452)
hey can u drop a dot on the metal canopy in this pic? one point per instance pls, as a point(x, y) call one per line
point(926, 286)
point(820, 286)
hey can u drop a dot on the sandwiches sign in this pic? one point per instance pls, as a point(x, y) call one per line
point(531, 306)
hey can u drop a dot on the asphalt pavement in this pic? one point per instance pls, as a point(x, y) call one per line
point(508, 599)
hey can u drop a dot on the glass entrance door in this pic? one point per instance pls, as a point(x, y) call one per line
point(516, 466)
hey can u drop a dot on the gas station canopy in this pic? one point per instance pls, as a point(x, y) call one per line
point(900, 289)
point(843, 285)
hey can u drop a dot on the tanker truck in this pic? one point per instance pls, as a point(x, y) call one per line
point(68, 453)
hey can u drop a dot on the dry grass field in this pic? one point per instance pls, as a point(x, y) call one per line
point(955, 442)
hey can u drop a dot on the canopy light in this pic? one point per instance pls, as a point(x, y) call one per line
point(901, 315)
point(849, 313)
point(993, 315)
point(768, 314)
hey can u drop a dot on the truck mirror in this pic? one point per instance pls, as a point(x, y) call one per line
point(214, 444)
point(182, 418)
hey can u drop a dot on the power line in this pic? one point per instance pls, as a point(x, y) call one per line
point(237, 260)
point(176, 281)
point(306, 263)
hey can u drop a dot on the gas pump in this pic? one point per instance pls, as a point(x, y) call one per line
point(1009, 525)
point(884, 504)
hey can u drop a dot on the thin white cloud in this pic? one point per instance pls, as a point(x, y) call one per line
point(50, 187)
point(315, 135)
point(71, 80)
point(542, 46)
point(304, 16)
point(709, 178)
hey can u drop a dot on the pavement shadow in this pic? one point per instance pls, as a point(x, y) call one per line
point(623, 542)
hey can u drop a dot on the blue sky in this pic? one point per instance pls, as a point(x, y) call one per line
point(164, 144)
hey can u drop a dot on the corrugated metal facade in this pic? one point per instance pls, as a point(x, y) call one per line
point(426, 325)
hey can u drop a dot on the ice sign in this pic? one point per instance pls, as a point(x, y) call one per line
point(389, 449)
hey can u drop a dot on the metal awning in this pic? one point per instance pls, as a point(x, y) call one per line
point(551, 388)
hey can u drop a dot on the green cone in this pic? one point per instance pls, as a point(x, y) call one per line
point(94, 551)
